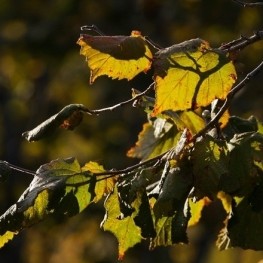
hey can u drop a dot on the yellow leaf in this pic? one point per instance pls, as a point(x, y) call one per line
point(119, 57)
point(103, 186)
point(38, 210)
point(6, 237)
point(226, 200)
point(196, 210)
point(191, 75)
point(149, 145)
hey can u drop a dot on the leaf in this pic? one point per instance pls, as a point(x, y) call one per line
point(124, 228)
point(210, 163)
point(245, 227)
point(245, 151)
point(153, 141)
point(103, 186)
point(191, 75)
point(174, 191)
point(196, 209)
point(186, 119)
point(60, 188)
point(171, 229)
point(121, 57)
point(68, 118)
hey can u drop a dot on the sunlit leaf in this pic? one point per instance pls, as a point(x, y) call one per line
point(196, 209)
point(124, 228)
point(187, 119)
point(153, 141)
point(226, 201)
point(119, 57)
point(191, 75)
point(103, 186)
point(6, 237)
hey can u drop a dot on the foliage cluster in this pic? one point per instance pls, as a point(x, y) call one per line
point(192, 151)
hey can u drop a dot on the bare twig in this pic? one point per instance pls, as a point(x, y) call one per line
point(244, 4)
point(92, 28)
point(111, 108)
point(242, 42)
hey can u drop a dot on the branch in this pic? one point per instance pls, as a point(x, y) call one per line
point(228, 100)
point(244, 4)
point(242, 42)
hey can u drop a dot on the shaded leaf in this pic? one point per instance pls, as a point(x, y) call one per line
point(190, 75)
point(124, 228)
point(245, 227)
point(68, 118)
point(174, 192)
point(210, 163)
point(245, 150)
point(121, 57)
point(144, 217)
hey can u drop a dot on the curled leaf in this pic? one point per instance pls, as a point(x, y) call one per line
point(68, 118)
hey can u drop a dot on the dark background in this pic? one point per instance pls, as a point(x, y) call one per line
point(41, 71)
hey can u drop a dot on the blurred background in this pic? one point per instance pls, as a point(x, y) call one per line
point(41, 71)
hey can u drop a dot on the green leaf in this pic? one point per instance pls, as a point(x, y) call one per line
point(171, 229)
point(155, 139)
point(191, 75)
point(59, 188)
point(103, 186)
point(124, 228)
point(121, 57)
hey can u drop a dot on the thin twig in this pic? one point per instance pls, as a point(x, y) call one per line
point(244, 4)
point(92, 28)
point(111, 108)
point(228, 100)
